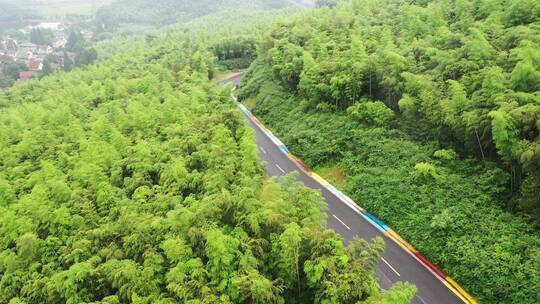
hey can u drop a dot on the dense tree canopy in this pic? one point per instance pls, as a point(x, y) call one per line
point(429, 109)
point(445, 74)
point(233, 35)
point(444, 65)
point(135, 180)
point(41, 36)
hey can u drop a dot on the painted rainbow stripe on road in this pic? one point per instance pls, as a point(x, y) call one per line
point(373, 220)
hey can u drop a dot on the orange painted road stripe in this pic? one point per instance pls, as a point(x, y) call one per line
point(404, 244)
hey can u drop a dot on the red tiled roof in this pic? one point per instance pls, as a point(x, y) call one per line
point(34, 64)
point(23, 76)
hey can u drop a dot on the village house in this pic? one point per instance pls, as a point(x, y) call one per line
point(9, 44)
point(43, 50)
point(53, 26)
point(60, 57)
point(33, 55)
point(59, 42)
point(25, 50)
point(24, 76)
point(35, 64)
point(88, 35)
point(9, 47)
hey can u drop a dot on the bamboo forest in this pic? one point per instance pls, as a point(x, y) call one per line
point(270, 151)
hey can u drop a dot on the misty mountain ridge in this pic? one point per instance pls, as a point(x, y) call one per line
point(163, 12)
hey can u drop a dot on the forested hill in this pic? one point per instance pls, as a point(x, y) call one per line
point(135, 180)
point(162, 12)
point(465, 74)
point(428, 114)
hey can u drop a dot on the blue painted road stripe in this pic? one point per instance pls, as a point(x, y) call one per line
point(377, 221)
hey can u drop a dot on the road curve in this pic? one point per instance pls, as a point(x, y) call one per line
point(396, 264)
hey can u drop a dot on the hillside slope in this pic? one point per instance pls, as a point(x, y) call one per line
point(162, 12)
point(427, 114)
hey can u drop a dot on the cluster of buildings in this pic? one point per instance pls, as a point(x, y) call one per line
point(33, 55)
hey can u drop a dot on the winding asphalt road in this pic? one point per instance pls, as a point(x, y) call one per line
point(396, 264)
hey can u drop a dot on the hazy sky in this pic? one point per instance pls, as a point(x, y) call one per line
point(30, 2)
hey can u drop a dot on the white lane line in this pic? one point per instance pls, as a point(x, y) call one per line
point(393, 269)
point(420, 298)
point(280, 168)
point(384, 260)
point(337, 218)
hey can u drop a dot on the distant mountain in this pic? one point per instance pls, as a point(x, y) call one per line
point(12, 13)
point(162, 12)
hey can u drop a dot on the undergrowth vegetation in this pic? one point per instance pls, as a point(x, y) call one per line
point(429, 109)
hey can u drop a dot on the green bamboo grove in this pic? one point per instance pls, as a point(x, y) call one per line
point(135, 180)
point(427, 114)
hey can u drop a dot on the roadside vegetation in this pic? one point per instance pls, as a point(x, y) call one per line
point(430, 110)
